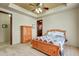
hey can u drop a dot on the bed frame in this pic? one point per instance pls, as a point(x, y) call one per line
point(47, 48)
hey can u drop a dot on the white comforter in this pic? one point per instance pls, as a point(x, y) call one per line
point(59, 41)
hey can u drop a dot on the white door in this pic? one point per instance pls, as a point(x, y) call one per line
point(4, 27)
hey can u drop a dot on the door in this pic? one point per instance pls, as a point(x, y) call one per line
point(26, 34)
point(39, 27)
point(5, 27)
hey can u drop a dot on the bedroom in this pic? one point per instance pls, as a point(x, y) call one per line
point(64, 18)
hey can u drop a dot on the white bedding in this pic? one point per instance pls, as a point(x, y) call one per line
point(56, 37)
point(58, 40)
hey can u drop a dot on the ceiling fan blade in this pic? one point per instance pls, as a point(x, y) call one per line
point(46, 8)
point(31, 4)
point(37, 4)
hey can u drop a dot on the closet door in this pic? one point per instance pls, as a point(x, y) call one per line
point(26, 34)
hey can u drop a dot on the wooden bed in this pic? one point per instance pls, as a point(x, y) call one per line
point(48, 48)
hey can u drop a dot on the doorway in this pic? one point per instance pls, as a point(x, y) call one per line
point(39, 27)
point(5, 28)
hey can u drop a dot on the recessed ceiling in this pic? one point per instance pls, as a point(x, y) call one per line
point(45, 6)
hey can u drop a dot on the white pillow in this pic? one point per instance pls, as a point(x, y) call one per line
point(58, 33)
point(50, 33)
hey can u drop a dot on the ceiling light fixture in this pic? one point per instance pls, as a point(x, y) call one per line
point(38, 10)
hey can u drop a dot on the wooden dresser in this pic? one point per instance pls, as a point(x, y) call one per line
point(26, 34)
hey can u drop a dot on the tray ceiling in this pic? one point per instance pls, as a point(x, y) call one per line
point(44, 6)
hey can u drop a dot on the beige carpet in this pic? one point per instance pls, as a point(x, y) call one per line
point(19, 50)
point(26, 50)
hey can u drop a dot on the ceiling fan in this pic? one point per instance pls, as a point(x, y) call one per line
point(39, 7)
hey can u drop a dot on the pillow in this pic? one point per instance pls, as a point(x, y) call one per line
point(50, 34)
point(59, 36)
point(58, 33)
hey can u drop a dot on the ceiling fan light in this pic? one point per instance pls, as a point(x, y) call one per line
point(40, 9)
point(37, 10)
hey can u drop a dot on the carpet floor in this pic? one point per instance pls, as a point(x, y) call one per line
point(27, 50)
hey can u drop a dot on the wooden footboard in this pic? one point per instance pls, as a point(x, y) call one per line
point(47, 48)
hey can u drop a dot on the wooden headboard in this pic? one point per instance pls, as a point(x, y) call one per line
point(57, 30)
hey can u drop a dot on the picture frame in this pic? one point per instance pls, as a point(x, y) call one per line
point(4, 26)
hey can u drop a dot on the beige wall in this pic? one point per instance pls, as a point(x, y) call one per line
point(4, 32)
point(18, 20)
point(66, 20)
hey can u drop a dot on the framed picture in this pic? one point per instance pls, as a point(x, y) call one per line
point(4, 26)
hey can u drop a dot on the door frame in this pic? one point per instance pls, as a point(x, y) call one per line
point(21, 31)
point(10, 24)
point(37, 26)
